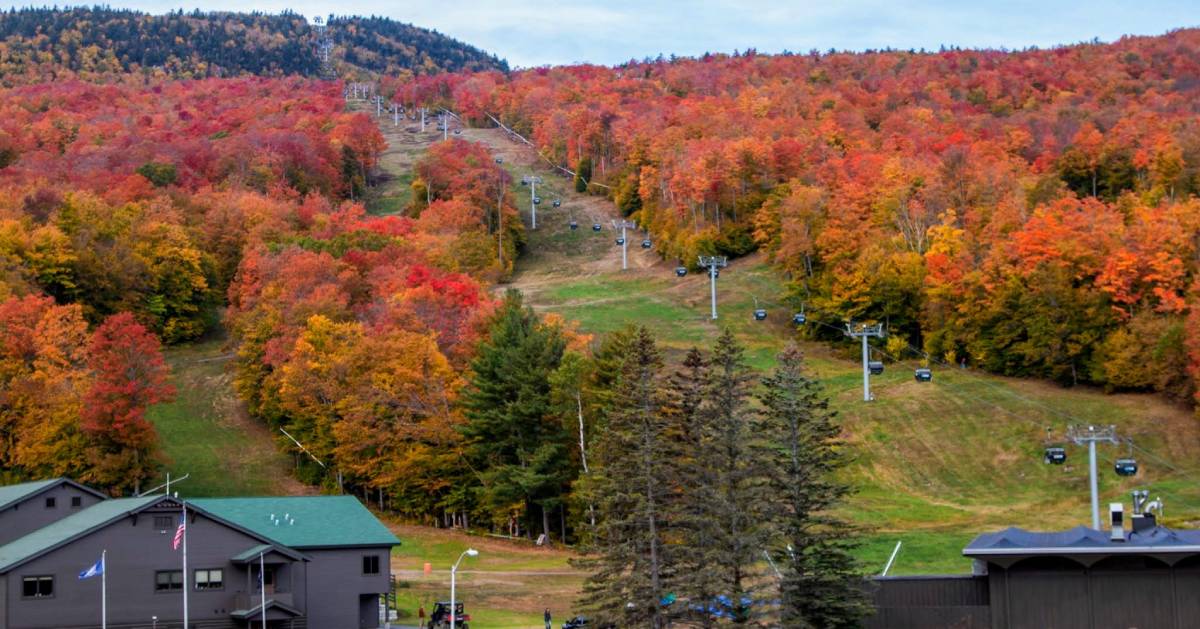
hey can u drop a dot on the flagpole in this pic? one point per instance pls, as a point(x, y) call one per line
point(185, 572)
point(104, 589)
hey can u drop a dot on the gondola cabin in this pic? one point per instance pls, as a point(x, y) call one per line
point(620, 241)
point(646, 244)
point(875, 367)
point(1055, 455)
point(680, 271)
point(574, 226)
point(799, 318)
point(1125, 467)
point(760, 314)
point(596, 227)
point(556, 203)
point(537, 200)
point(923, 374)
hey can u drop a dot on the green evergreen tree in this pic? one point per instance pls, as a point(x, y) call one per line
point(512, 433)
point(695, 484)
point(633, 469)
point(821, 587)
point(583, 174)
point(731, 511)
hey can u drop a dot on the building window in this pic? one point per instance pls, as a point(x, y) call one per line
point(37, 587)
point(168, 581)
point(371, 564)
point(162, 523)
point(211, 579)
point(76, 501)
point(51, 502)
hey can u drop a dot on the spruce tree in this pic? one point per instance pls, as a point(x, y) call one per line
point(821, 587)
point(732, 510)
point(633, 466)
point(692, 491)
point(514, 438)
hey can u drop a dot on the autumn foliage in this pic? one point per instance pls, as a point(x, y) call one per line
point(1031, 212)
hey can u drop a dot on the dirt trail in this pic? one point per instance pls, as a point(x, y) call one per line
point(554, 253)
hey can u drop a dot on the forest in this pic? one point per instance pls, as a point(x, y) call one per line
point(102, 43)
point(966, 198)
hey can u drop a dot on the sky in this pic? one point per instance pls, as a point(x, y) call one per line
point(547, 32)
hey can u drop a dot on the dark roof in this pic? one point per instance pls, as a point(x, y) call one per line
point(303, 521)
point(57, 533)
point(1081, 540)
point(12, 494)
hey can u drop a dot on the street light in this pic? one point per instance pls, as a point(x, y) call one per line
point(453, 571)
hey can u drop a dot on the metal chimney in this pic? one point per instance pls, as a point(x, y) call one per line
point(1116, 515)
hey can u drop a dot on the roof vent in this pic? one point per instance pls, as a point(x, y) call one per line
point(1116, 515)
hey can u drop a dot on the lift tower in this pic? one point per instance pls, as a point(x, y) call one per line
point(865, 331)
point(1091, 435)
point(624, 225)
point(713, 263)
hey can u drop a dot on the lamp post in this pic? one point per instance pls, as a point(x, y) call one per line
point(453, 572)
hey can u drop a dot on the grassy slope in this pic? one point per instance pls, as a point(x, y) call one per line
point(205, 433)
point(933, 464)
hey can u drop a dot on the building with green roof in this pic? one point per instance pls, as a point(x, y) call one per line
point(314, 562)
point(27, 507)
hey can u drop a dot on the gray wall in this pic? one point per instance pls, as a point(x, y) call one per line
point(31, 514)
point(1116, 593)
point(940, 602)
point(336, 581)
point(136, 549)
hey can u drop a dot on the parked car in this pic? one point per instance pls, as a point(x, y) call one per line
point(440, 618)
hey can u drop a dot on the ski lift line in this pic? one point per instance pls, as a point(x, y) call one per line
point(943, 384)
point(1025, 419)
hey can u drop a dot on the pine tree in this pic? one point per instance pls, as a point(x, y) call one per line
point(633, 467)
point(821, 587)
point(694, 487)
point(732, 510)
point(512, 433)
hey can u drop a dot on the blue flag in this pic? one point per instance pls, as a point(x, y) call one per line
point(95, 570)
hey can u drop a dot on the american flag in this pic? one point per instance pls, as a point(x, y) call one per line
point(179, 532)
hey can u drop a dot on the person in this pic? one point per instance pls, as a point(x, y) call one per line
point(421, 615)
point(546, 616)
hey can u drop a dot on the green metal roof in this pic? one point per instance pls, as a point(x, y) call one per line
point(16, 493)
point(303, 521)
point(48, 537)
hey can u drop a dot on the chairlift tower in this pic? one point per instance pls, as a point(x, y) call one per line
point(624, 225)
point(865, 331)
point(532, 181)
point(712, 263)
point(1091, 435)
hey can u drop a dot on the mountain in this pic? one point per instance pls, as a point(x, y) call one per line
point(39, 44)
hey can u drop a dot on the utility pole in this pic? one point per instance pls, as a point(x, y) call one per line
point(1091, 435)
point(532, 181)
point(712, 263)
point(865, 331)
point(624, 225)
